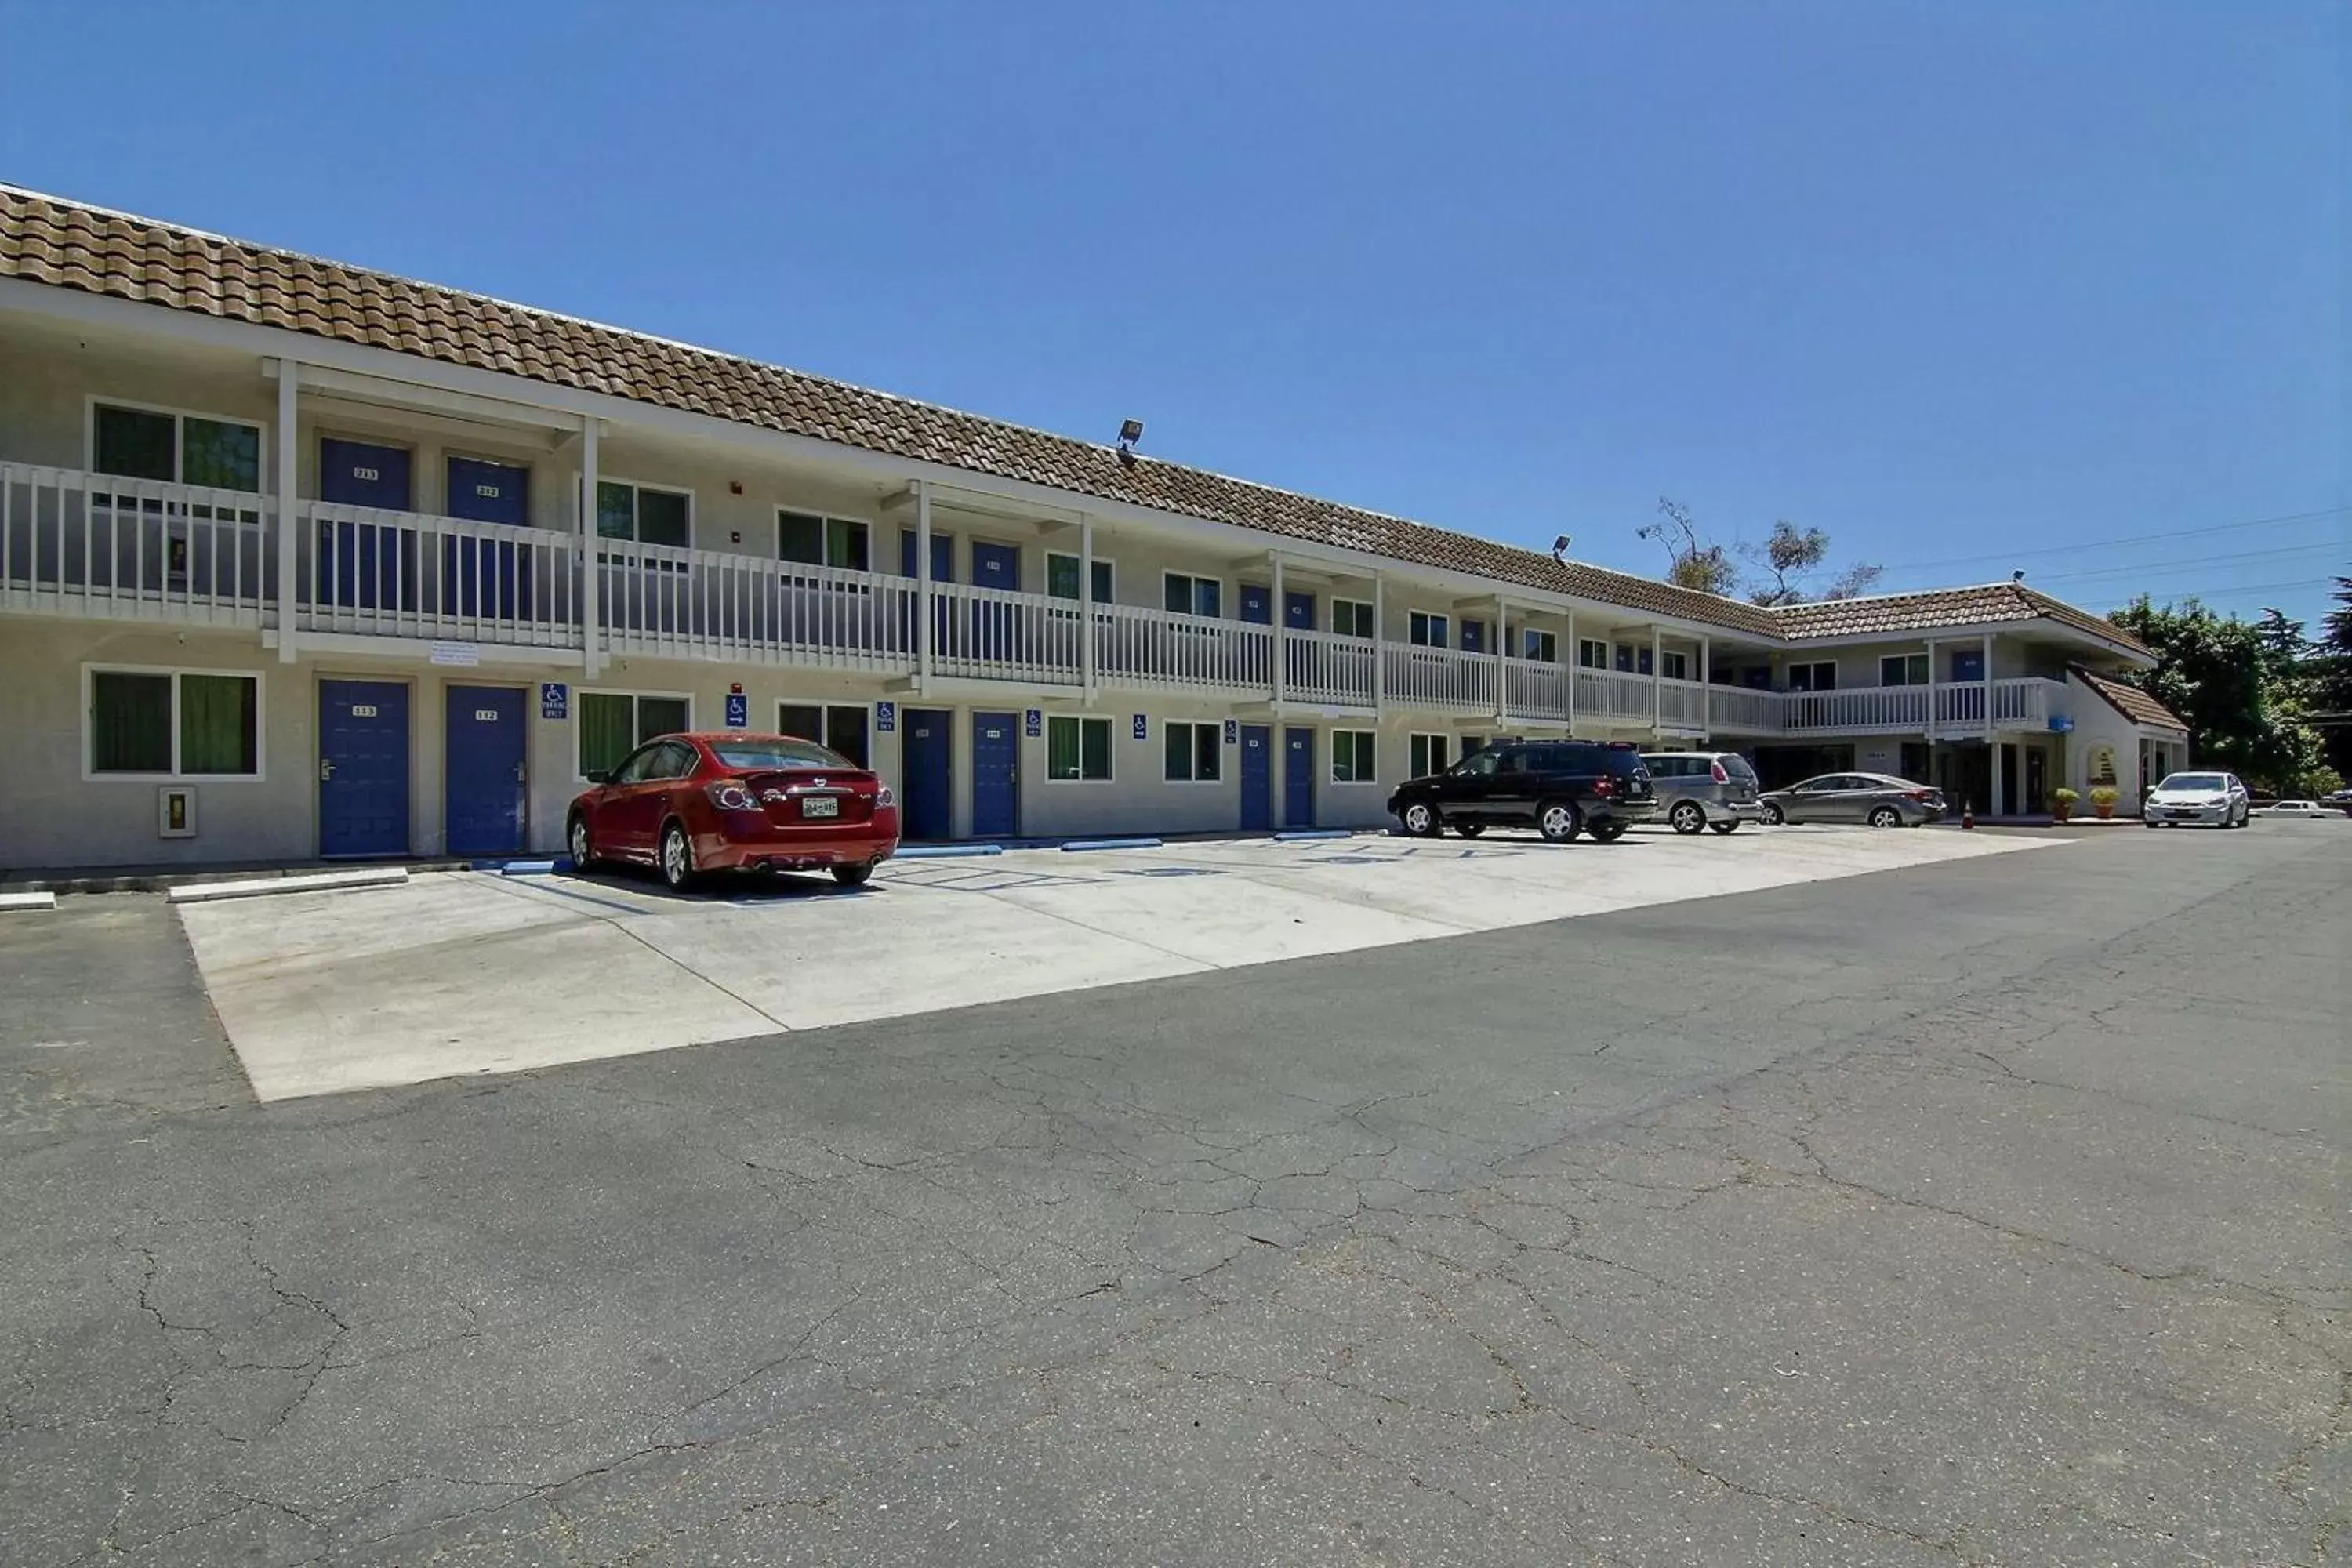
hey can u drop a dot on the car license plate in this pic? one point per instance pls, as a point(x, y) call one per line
point(2181, 815)
point(820, 806)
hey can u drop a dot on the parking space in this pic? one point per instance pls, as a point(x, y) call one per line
point(465, 973)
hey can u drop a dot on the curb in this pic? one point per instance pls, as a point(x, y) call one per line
point(1305, 835)
point(265, 887)
point(947, 851)
point(1078, 845)
point(28, 902)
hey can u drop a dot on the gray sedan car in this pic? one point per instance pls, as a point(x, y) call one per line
point(1879, 799)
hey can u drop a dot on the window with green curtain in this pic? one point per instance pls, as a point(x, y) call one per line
point(1077, 748)
point(660, 716)
point(608, 730)
point(799, 536)
point(1062, 578)
point(1094, 748)
point(617, 509)
point(1176, 753)
point(662, 518)
point(216, 452)
point(1351, 757)
point(845, 543)
point(129, 723)
point(219, 724)
point(136, 444)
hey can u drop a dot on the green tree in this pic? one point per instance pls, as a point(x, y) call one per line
point(1793, 554)
point(2217, 673)
point(2328, 685)
point(1693, 564)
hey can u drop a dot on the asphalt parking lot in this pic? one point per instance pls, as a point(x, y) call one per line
point(469, 973)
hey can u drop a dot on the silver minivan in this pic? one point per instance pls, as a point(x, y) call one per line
point(1704, 789)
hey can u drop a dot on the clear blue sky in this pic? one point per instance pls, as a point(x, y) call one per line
point(1970, 287)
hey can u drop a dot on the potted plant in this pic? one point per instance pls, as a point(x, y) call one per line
point(2061, 803)
point(2103, 801)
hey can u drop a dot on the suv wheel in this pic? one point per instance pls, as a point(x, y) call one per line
point(1687, 817)
point(1469, 829)
point(1886, 817)
point(1558, 821)
point(1773, 816)
point(1731, 827)
point(1420, 819)
point(1609, 831)
point(677, 858)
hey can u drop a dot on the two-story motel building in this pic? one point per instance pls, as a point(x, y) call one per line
point(299, 560)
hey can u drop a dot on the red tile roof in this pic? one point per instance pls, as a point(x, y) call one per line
point(1986, 604)
point(72, 246)
point(2129, 700)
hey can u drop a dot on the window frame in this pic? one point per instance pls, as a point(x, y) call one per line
point(1102, 564)
point(1429, 741)
point(579, 731)
point(1195, 579)
point(260, 774)
point(1331, 746)
point(1533, 637)
point(824, 521)
point(1812, 666)
point(826, 708)
point(1674, 664)
point(636, 487)
point(1419, 624)
point(1926, 665)
point(1358, 610)
point(1596, 646)
point(1111, 748)
point(1215, 730)
point(264, 469)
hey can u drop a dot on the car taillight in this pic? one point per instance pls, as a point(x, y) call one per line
point(1922, 795)
point(1715, 771)
point(1604, 785)
point(727, 794)
point(882, 796)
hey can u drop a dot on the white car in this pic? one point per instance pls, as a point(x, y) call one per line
point(2293, 808)
point(2217, 800)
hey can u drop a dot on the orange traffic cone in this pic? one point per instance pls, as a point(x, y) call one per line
point(1969, 813)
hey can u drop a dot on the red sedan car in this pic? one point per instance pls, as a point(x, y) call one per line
point(734, 802)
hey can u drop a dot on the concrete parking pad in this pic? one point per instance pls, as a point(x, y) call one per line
point(463, 973)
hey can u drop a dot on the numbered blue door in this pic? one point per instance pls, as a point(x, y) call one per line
point(995, 775)
point(1256, 605)
point(1258, 778)
point(1298, 778)
point(995, 634)
point(1298, 610)
point(942, 555)
point(926, 748)
point(487, 577)
point(1474, 636)
point(365, 565)
point(482, 796)
point(362, 768)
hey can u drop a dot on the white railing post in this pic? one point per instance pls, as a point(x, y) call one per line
point(1379, 644)
point(1657, 698)
point(1575, 663)
point(1707, 687)
point(1988, 690)
point(289, 375)
point(923, 586)
point(1086, 604)
point(591, 569)
point(1279, 621)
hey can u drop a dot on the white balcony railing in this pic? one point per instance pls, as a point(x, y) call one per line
point(1438, 678)
point(397, 574)
point(1682, 705)
point(1533, 690)
point(661, 601)
point(1861, 708)
point(1612, 697)
point(1158, 647)
point(996, 633)
point(93, 544)
point(1329, 670)
point(1737, 710)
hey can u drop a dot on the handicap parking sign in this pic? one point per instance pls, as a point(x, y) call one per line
point(1142, 728)
point(554, 700)
point(738, 711)
point(1033, 723)
point(1232, 730)
point(885, 717)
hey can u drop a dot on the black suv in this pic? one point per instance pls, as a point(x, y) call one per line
point(1560, 787)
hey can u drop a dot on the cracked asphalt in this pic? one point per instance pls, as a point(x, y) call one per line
point(1989, 1212)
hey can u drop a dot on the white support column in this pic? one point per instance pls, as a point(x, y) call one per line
point(1502, 655)
point(1379, 644)
point(592, 575)
point(1575, 663)
point(1278, 617)
point(1935, 713)
point(289, 559)
point(1086, 604)
point(1987, 692)
point(923, 587)
point(1707, 688)
point(1657, 692)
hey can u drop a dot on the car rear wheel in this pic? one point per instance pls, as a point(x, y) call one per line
point(1731, 827)
point(1886, 817)
point(1469, 829)
point(1687, 816)
point(583, 848)
point(677, 858)
point(1420, 819)
point(1773, 816)
point(1608, 832)
point(852, 875)
point(1558, 821)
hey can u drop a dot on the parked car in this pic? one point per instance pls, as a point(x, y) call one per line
point(2294, 809)
point(1561, 788)
point(2217, 800)
point(687, 804)
point(1704, 789)
point(2340, 800)
point(1881, 800)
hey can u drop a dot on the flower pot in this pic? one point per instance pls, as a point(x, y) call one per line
point(2105, 808)
point(2061, 810)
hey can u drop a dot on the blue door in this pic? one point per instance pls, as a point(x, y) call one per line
point(1258, 778)
point(942, 555)
point(1967, 664)
point(362, 565)
point(362, 768)
point(995, 775)
point(487, 576)
point(1298, 610)
point(995, 631)
point(1298, 778)
point(482, 797)
point(928, 747)
point(1474, 636)
point(1255, 607)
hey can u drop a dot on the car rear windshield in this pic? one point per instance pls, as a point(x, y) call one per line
point(1736, 766)
point(2192, 781)
point(776, 756)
